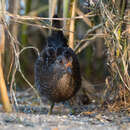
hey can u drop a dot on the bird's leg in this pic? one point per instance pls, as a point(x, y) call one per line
point(51, 108)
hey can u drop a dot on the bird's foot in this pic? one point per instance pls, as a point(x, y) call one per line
point(51, 108)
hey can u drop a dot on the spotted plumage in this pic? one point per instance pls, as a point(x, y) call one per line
point(57, 70)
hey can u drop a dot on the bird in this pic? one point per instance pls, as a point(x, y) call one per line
point(57, 69)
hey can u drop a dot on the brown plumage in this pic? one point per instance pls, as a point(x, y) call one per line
point(57, 71)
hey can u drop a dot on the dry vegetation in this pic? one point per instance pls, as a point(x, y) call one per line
point(114, 29)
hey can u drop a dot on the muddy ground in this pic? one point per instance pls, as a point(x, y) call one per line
point(30, 114)
point(36, 118)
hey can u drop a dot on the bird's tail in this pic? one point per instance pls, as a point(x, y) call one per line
point(56, 23)
point(56, 34)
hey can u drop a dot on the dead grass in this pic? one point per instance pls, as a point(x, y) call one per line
point(117, 53)
point(116, 40)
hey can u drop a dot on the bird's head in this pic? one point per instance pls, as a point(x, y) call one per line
point(65, 63)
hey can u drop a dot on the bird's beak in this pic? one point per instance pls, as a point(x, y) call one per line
point(68, 68)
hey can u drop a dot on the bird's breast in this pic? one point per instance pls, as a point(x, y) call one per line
point(63, 89)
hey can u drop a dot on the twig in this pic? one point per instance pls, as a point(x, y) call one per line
point(42, 18)
point(87, 20)
point(42, 26)
point(89, 31)
point(122, 77)
point(78, 49)
point(93, 29)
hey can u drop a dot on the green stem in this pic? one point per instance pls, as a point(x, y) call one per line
point(66, 8)
point(24, 27)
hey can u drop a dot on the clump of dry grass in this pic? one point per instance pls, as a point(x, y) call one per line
point(118, 83)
